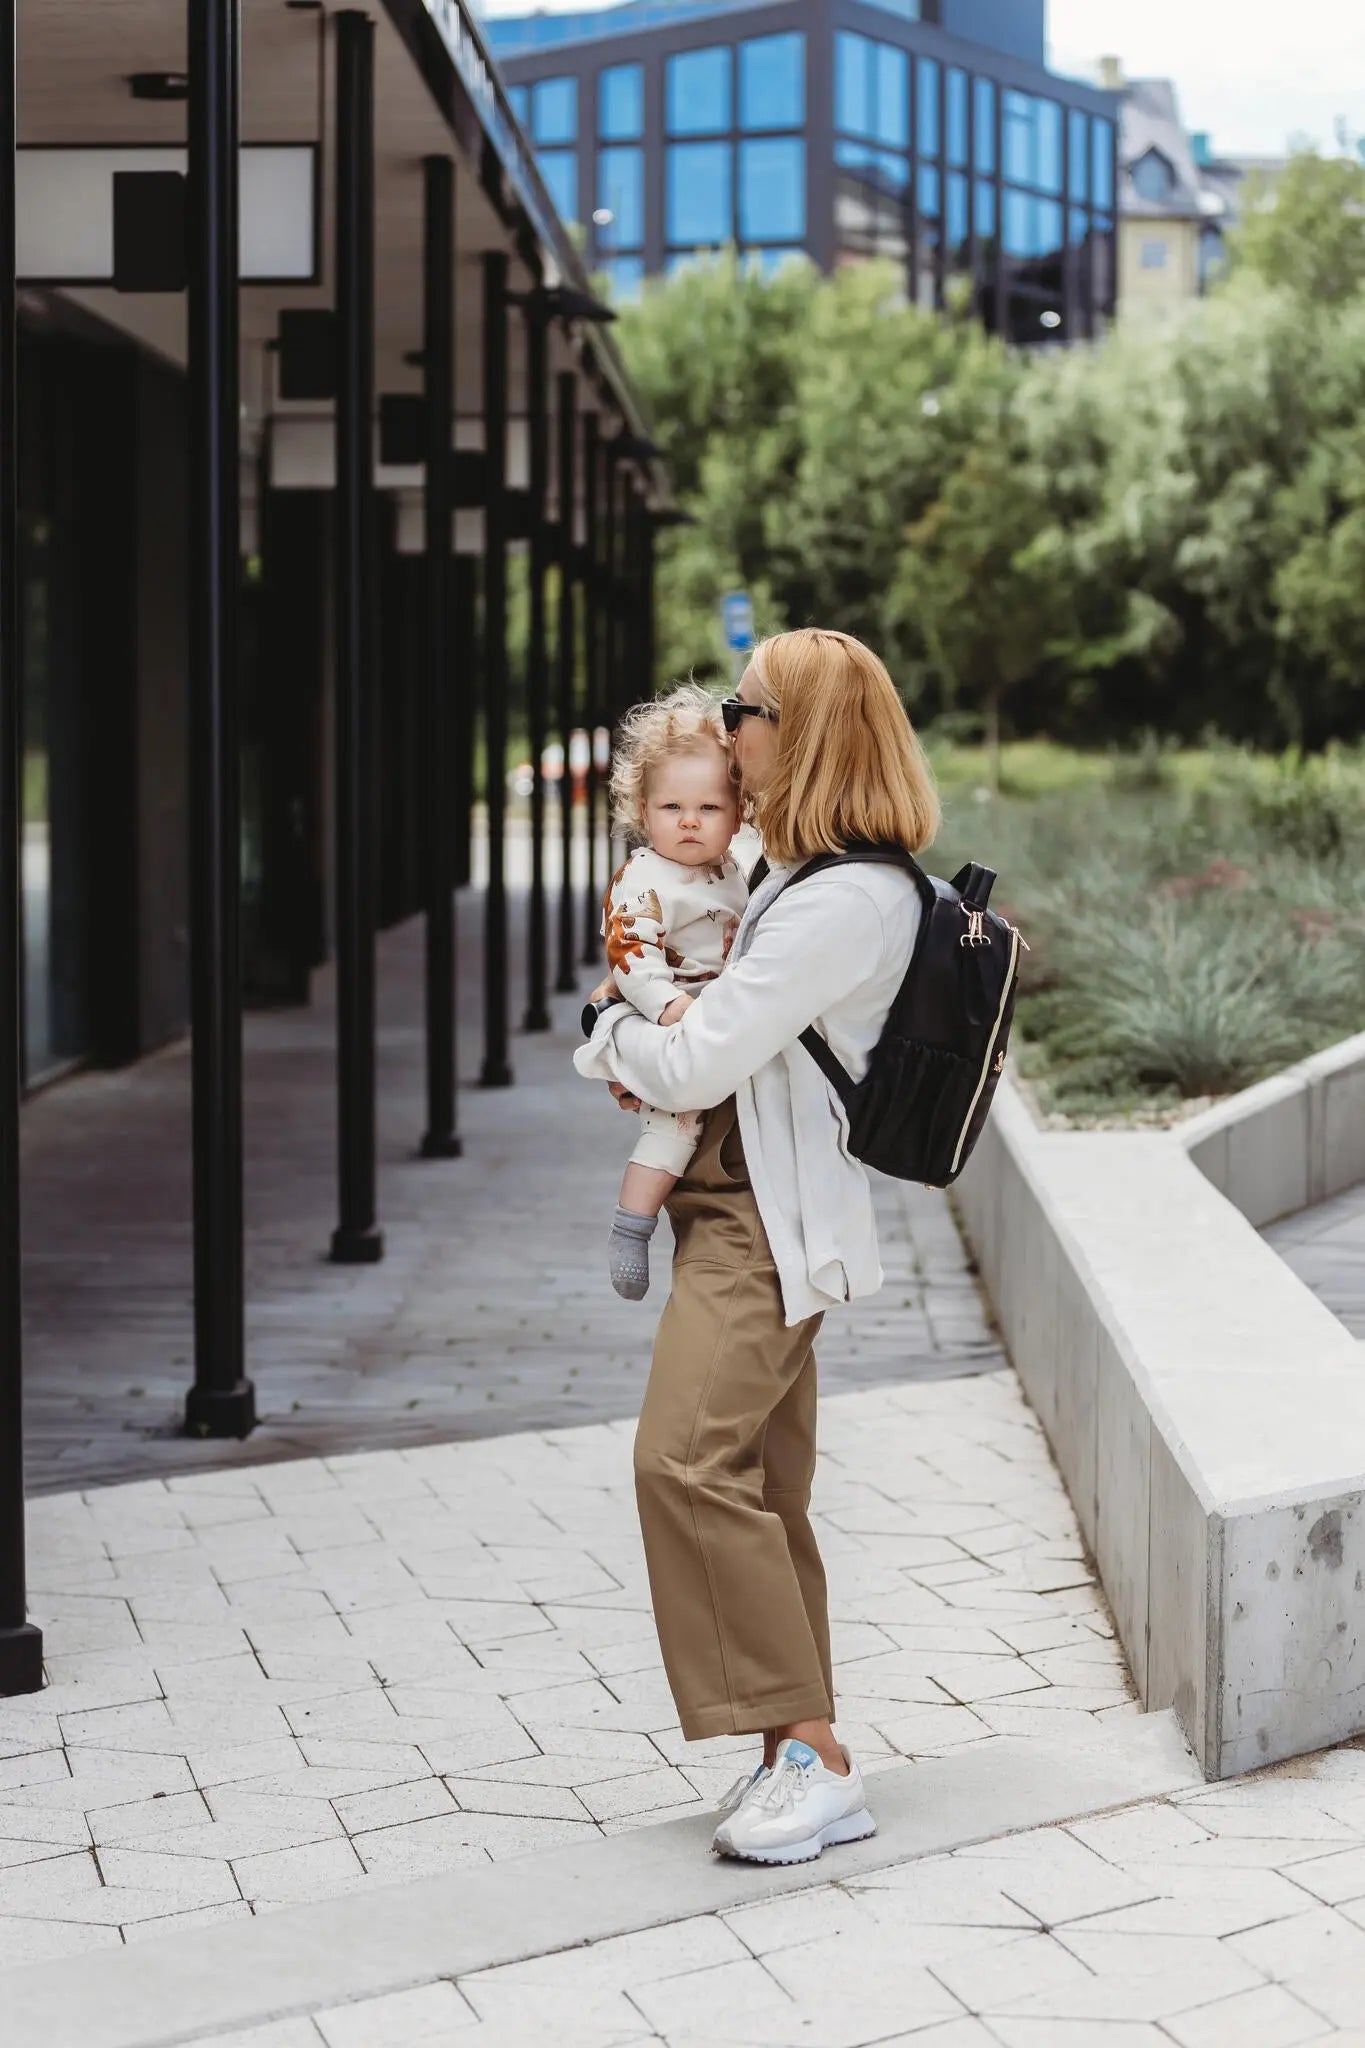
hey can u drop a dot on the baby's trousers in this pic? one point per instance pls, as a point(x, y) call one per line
point(667, 1142)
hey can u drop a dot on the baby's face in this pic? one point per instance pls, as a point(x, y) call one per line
point(691, 810)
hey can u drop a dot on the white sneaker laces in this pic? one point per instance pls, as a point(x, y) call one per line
point(786, 1785)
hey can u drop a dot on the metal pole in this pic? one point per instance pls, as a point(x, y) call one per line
point(438, 852)
point(613, 667)
point(648, 649)
point(592, 620)
point(567, 655)
point(497, 1071)
point(356, 1240)
point(21, 1644)
point(537, 678)
point(222, 1401)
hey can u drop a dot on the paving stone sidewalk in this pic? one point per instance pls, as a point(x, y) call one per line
point(1325, 1245)
point(1228, 1917)
point(275, 1685)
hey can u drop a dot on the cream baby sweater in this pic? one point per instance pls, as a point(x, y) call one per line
point(667, 927)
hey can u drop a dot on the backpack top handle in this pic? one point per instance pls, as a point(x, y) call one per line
point(974, 884)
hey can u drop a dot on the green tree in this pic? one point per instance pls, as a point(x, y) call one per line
point(1307, 230)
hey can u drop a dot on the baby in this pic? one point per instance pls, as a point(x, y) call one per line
point(668, 920)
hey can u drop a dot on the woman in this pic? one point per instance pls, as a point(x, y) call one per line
point(773, 1224)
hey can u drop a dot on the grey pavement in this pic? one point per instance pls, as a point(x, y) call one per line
point(1325, 1246)
point(491, 1311)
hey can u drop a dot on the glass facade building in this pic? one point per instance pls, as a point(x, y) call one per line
point(839, 129)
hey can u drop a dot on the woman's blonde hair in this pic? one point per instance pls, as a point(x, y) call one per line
point(686, 721)
point(849, 763)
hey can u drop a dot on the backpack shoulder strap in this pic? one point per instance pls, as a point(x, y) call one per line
point(856, 854)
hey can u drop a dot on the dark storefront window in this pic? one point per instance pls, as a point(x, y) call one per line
point(957, 118)
point(985, 213)
point(699, 203)
point(871, 202)
point(620, 194)
point(772, 189)
point(927, 135)
point(621, 103)
point(699, 92)
point(958, 217)
point(772, 82)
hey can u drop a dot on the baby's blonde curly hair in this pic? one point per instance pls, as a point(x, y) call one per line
point(686, 721)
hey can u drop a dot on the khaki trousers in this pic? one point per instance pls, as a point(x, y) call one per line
point(724, 1459)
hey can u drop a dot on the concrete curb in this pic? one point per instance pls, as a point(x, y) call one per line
point(1206, 1411)
point(184, 1987)
point(1290, 1142)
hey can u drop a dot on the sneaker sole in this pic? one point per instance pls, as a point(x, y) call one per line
point(855, 1827)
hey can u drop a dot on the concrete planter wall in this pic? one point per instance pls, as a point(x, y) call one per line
point(1206, 1411)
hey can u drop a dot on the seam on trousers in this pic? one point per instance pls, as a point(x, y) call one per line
point(691, 1496)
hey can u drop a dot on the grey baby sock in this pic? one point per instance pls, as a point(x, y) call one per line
point(628, 1249)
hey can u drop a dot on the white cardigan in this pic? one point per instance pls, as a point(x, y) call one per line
point(833, 951)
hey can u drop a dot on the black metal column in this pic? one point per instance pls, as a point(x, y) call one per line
point(566, 652)
point(614, 681)
point(497, 1071)
point(648, 652)
point(537, 663)
point(438, 849)
point(222, 1401)
point(592, 679)
point(21, 1644)
point(356, 1239)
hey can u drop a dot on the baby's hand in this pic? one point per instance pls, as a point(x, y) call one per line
point(676, 1010)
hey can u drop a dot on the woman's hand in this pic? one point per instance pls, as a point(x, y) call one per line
point(676, 1010)
point(603, 990)
point(624, 1098)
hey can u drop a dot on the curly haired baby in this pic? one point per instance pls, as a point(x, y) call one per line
point(668, 920)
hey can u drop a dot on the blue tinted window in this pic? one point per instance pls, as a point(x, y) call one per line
point(519, 100)
point(983, 141)
point(1048, 125)
point(1078, 166)
point(621, 103)
point(891, 95)
point(1080, 225)
point(928, 190)
point(957, 209)
point(878, 167)
point(927, 139)
point(772, 189)
point(772, 82)
point(688, 259)
point(1019, 235)
point(626, 276)
point(1102, 163)
point(621, 193)
point(698, 194)
point(1019, 137)
point(554, 110)
point(559, 169)
point(985, 212)
point(852, 83)
point(699, 92)
point(957, 117)
point(1048, 225)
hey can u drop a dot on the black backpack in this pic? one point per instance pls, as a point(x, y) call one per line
point(924, 1100)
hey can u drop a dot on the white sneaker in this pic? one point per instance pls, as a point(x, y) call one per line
point(739, 1791)
point(797, 1810)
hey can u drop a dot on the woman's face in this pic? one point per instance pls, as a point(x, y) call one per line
point(755, 743)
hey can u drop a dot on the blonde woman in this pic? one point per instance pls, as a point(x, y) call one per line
point(773, 1225)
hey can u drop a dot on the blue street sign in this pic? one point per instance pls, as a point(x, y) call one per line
point(737, 619)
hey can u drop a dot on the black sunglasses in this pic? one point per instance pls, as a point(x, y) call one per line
point(734, 710)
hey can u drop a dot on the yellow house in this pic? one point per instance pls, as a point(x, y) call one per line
point(1169, 216)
